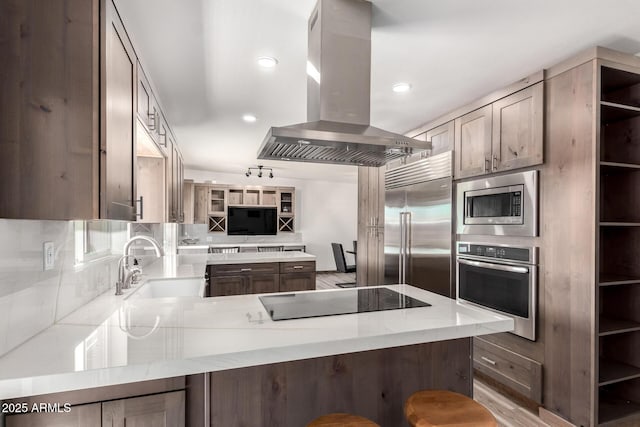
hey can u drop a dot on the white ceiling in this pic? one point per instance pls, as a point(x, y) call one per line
point(201, 56)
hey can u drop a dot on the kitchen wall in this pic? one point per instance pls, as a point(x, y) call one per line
point(32, 299)
point(326, 212)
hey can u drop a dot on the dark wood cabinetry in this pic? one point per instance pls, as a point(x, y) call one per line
point(256, 278)
point(150, 403)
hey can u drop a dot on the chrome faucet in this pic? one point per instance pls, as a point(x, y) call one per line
point(126, 274)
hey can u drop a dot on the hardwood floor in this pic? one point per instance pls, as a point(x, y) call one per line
point(328, 280)
point(508, 412)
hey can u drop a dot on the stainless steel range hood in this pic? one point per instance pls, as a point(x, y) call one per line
point(338, 96)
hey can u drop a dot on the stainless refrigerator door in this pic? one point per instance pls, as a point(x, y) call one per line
point(429, 252)
point(394, 204)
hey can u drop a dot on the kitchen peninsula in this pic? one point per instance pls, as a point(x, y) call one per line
point(296, 368)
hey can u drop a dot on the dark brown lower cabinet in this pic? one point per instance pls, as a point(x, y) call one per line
point(258, 278)
point(82, 415)
point(158, 410)
point(292, 282)
point(150, 403)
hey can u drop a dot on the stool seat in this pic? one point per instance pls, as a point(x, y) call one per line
point(441, 408)
point(341, 420)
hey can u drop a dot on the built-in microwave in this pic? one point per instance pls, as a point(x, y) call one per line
point(505, 205)
point(500, 278)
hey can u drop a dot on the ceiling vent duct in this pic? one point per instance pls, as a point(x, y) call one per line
point(338, 97)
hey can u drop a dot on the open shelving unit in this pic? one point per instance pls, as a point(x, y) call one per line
point(618, 292)
point(211, 203)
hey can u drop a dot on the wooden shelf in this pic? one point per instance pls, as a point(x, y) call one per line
point(619, 224)
point(620, 165)
point(610, 326)
point(617, 279)
point(611, 112)
point(614, 410)
point(613, 372)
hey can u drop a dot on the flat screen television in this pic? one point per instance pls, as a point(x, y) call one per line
point(251, 221)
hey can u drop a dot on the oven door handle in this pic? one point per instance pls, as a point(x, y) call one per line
point(501, 267)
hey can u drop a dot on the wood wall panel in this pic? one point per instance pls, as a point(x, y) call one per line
point(373, 384)
point(568, 206)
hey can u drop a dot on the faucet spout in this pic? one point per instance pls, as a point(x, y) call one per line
point(156, 246)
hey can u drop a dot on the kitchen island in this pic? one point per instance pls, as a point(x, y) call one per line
point(234, 343)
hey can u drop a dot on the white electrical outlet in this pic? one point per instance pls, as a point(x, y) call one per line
point(48, 256)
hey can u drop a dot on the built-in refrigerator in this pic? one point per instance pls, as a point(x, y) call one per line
point(417, 230)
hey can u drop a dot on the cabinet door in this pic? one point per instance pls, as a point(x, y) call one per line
point(81, 415)
point(472, 137)
point(517, 129)
point(117, 154)
point(157, 410)
point(144, 98)
point(263, 283)
point(200, 204)
point(229, 285)
point(292, 282)
point(441, 138)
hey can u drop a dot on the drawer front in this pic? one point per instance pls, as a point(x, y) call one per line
point(235, 269)
point(298, 267)
point(511, 369)
point(229, 285)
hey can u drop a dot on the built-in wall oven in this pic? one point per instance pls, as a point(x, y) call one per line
point(505, 205)
point(501, 278)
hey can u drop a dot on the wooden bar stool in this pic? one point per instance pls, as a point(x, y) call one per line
point(341, 420)
point(441, 408)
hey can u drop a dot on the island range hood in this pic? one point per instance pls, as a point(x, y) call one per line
point(338, 96)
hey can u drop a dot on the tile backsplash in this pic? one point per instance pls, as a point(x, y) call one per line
point(32, 298)
point(201, 233)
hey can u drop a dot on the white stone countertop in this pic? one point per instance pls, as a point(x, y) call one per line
point(204, 245)
point(114, 340)
point(256, 257)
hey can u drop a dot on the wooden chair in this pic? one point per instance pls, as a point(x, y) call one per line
point(270, 248)
point(439, 408)
point(341, 420)
point(229, 250)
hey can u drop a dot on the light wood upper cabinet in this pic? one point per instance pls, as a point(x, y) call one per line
point(118, 154)
point(165, 409)
point(473, 143)
point(442, 138)
point(504, 135)
point(518, 129)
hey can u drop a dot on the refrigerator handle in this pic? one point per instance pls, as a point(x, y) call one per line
point(401, 249)
point(407, 245)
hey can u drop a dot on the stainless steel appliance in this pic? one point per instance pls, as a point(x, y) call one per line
point(501, 278)
point(505, 205)
point(417, 231)
point(337, 130)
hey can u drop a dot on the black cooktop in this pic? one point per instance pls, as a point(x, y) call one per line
point(346, 301)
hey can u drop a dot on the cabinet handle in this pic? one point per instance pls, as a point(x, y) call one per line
point(486, 164)
point(489, 361)
point(245, 269)
point(494, 163)
point(298, 267)
point(140, 212)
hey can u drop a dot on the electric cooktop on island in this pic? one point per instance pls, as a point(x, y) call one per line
point(346, 301)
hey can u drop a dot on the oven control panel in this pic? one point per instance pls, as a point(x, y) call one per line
point(494, 251)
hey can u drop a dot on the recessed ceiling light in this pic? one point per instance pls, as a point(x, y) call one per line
point(401, 87)
point(267, 62)
point(249, 118)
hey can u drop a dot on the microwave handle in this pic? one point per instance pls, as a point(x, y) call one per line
point(509, 268)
